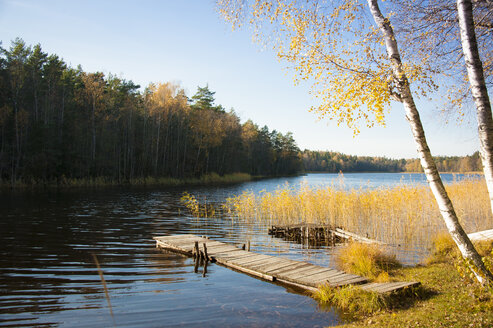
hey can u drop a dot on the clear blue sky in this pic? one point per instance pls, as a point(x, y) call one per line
point(186, 41)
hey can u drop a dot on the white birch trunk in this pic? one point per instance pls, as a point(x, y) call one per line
point(478, 89)
point(445, 205)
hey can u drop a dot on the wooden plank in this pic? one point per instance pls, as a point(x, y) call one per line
point(347, 280)
point(174, 237)
point(307, 272)
point(233, 254)
point(273, 266)
point(220, 248)
point(252, 272)
point(185, 243)
point(335, 274)
point(181, 241)
point(245, 261)
point(284, 265)
point(323, 275)
point(212, 244)
point(267, 261)
point(230, 256)
point(341, 280)
point(173, 248)
point(186, 247)
point(398, 286)
point(349, 235)
point(301, 286)
point(289, 267)
point(388, 287)
point(262, 266)
point(391, 286)
point(314, 274)
point(303, 267)
point(481, 235)
point(377, 286)
point(353, 281)
point(201, 243)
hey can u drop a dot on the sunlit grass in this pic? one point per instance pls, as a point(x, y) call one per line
point(366, 260)
point(352, 299)
point(404, 215)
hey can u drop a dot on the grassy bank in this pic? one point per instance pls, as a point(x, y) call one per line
point(447, 297)
point(449, 301)
point(403, 215)
point(208, 179)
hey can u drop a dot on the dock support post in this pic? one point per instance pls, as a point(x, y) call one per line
point(196, 250)
point(205, 253)
point(204, 272)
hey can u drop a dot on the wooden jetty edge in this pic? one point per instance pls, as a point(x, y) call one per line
point(303, 275)
point(316, 233)
point(481, 235)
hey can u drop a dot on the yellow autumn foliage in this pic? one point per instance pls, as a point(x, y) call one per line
point(336, 47)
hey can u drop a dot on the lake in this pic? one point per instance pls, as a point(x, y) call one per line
point(48, 276)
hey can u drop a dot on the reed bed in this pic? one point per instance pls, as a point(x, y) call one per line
point(405, 215)
point(102, 181)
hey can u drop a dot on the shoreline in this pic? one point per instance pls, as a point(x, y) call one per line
point(106, 182)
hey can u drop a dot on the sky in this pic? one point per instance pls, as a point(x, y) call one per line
point(187, 42)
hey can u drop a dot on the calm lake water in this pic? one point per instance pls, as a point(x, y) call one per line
point(48, 276)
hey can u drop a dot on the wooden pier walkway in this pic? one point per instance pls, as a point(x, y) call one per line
point(481, 235)
point(296, 273)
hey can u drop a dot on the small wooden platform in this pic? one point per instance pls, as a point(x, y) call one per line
point(300, 274)
point(481, 235)
point(316, 234)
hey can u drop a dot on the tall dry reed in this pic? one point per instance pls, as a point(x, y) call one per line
point(404, 215)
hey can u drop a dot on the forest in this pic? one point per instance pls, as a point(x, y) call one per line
point(58, 122)
point(330, 161)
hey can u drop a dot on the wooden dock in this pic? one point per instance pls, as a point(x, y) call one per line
point(316, 234)
point(303, 275)
point(481, 235)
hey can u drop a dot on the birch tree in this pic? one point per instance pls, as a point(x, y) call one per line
point(478, 88)
point(456, 42)
point(349, 49)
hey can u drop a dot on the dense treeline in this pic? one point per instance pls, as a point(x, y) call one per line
point(329, 161)
point(58, 122)
point(471, 163)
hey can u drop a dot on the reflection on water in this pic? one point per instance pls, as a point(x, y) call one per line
point(48, 276)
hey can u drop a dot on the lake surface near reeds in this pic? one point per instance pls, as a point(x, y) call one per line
point(48, 276)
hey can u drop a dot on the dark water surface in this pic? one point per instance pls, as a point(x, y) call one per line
point(48, 276)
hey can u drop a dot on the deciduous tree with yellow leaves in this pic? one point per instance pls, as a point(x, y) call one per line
point(349, 50)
